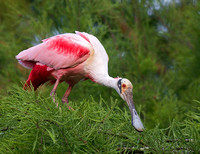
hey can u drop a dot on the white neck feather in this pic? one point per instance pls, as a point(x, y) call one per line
point(108, 82)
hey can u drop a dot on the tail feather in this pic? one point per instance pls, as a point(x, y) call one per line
point(38, 76)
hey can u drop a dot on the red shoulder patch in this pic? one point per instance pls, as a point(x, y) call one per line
point(66, 46)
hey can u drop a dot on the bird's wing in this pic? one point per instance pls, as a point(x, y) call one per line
point(61, 51)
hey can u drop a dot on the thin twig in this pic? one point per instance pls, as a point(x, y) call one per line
point(176, 140)
point(108, 114)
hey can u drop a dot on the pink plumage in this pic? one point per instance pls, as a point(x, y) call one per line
point(72, 58)
point(38, 76)
point(57, 58)
point(60, 51)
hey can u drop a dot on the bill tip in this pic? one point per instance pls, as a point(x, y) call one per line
point(136, 122)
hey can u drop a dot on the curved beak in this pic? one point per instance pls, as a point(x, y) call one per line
point(136, 122)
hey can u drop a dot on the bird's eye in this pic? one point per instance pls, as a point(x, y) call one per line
point(124, 85)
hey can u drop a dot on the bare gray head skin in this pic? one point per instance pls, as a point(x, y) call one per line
point(124, 89)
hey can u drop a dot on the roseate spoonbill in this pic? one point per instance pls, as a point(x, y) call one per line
point(71, 58)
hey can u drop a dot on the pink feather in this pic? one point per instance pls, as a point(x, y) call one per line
point(61, 51)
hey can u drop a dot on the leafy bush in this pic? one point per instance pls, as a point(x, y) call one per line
point(32, 123)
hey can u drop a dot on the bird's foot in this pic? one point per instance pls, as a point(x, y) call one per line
point(65, 101)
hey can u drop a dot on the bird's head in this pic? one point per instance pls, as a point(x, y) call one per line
point(124, 88)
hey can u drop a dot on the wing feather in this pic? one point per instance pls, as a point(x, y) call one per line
point(61, 51)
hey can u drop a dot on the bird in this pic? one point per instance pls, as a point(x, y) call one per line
point(70, 58)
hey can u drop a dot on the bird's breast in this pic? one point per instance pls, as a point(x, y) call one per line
point(70, 75)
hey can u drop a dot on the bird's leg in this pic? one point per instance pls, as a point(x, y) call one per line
point(53, 92)
point(65, 97)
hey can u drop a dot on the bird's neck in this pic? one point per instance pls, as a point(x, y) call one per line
point(108, 82)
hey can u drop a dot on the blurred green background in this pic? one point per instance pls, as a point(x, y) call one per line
point(153, 43)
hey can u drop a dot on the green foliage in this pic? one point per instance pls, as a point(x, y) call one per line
point(153, 43)
point(32, 123)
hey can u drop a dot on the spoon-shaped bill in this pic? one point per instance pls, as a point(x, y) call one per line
point(136, 122)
